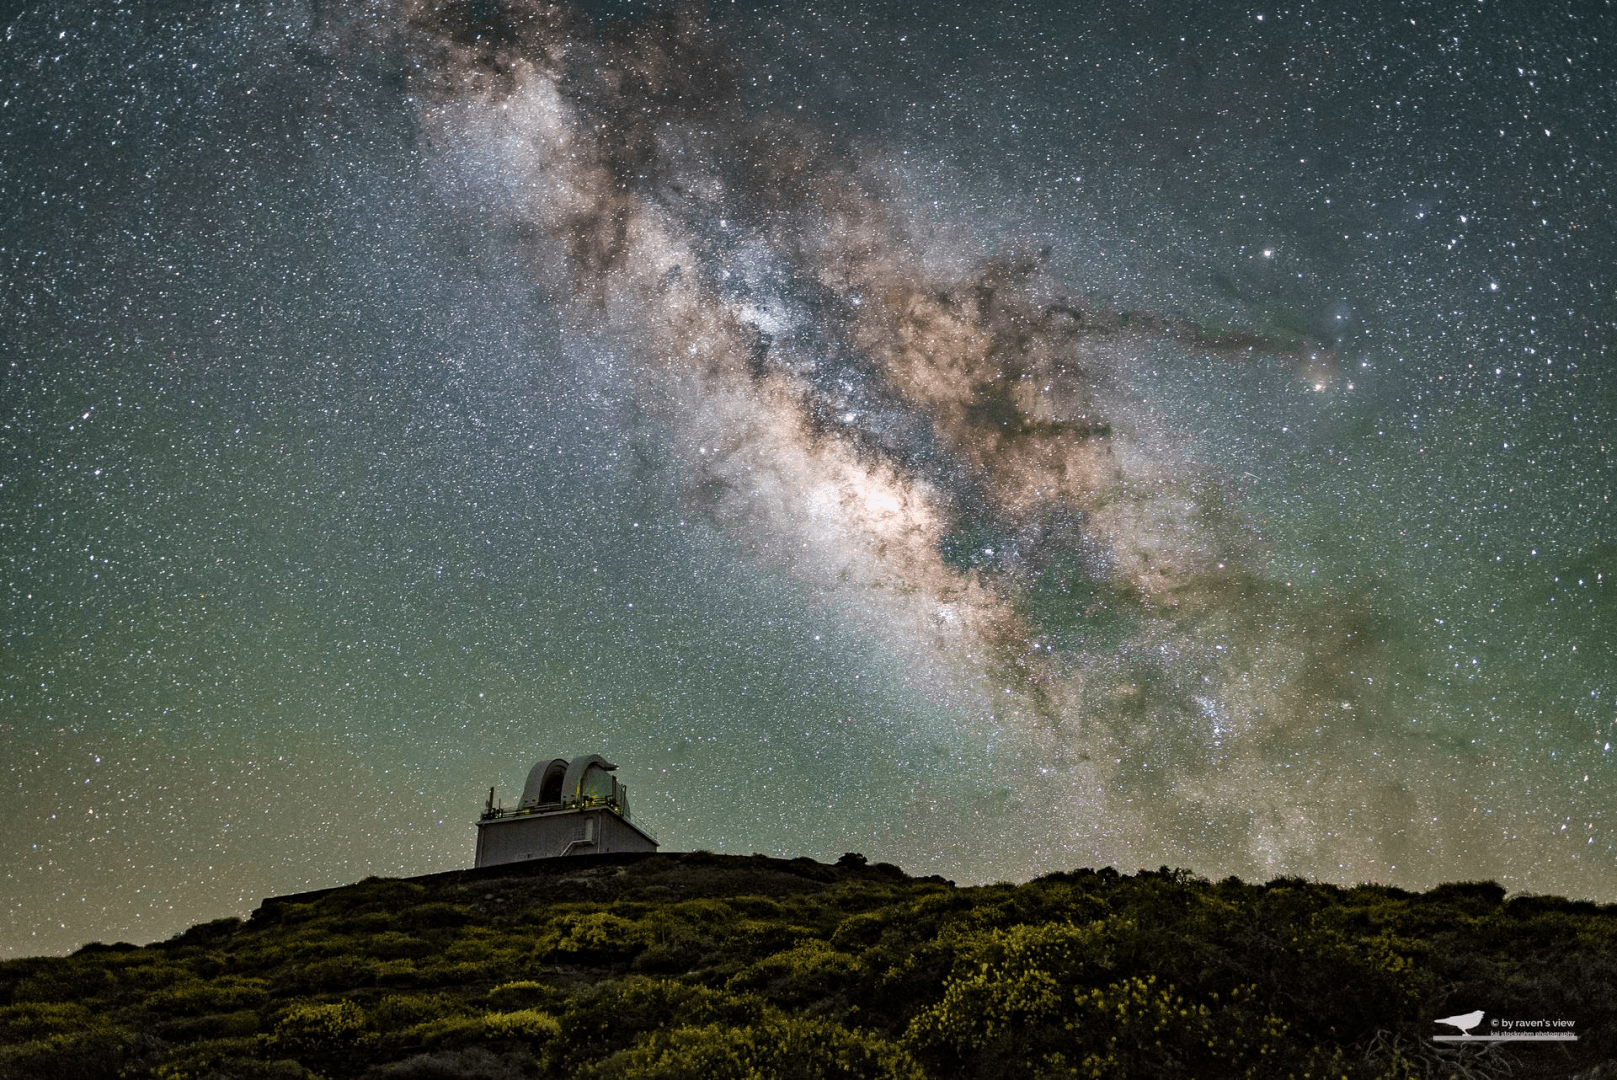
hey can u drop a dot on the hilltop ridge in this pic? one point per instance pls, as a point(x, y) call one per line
point(701, 965)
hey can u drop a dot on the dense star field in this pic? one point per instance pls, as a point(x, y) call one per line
point(998, 441)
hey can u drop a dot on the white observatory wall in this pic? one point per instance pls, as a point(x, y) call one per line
point(547, 836)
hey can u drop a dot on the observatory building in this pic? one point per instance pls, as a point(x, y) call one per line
point(568, 808)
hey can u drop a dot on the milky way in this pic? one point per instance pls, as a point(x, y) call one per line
point(997, 445)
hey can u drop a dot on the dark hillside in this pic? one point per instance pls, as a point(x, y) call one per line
point(699, 965)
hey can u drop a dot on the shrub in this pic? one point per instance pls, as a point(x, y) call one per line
point(750, 939)
point(145, 970)
point(397, 1011)
point(809, 972)
point(460, 972)
point(333, 973)
point(781, 1049)
point(1476, 897)
point(322, 1034)
point(1005, 980)
point(599, 935)
point(196, 997)
point(756, 907)
point(864, 929)
point(456, 1030)
point(701, 911)
point(521, 1024)
point(392, 945)
point(525, 993)
point(217, 1026)
point(41, 1019)
point(395, 973)
point(503, 953)
point(529, 1025)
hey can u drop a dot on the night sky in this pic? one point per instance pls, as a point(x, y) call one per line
point(994, 440)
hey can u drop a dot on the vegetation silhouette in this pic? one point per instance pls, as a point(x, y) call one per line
point(673, 966)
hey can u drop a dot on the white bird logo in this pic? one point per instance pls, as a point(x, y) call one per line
point(1464, 1022)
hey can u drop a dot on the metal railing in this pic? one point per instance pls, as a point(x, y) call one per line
point(578, 802)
